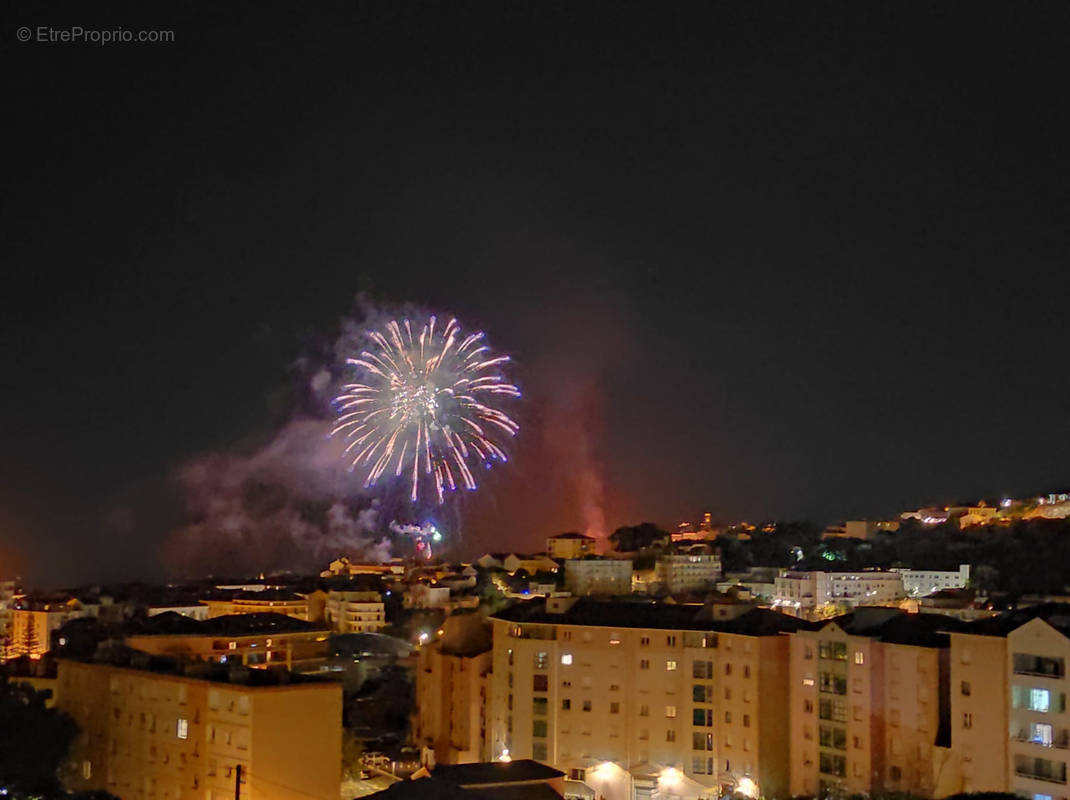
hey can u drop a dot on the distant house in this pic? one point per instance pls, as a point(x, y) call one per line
point(570, 545)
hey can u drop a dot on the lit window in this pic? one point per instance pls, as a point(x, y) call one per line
point(87, 769)
point(860, 657)
point(1039, 700)
point(182, 729)
point(233, 646)
point(566, 658)
point(670, 666)
point(670, 712)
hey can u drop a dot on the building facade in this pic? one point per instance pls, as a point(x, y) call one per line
point(598, 576)
point(682, 573)
point(452, 684)
point(570, 545)
point(806, 592)
point(635, 699)
point(868, 704)
point(146, 734)
point(922, 582)
point(355, 612)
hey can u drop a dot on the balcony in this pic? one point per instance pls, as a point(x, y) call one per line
point(1058, 740)
point(1040, 769)
point(1039, 666)
point(1023, 772)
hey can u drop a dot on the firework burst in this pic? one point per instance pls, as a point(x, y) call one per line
point(422, 407)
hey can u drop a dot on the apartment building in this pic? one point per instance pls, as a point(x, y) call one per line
point(922, 582)
point(254, 640)
point(355, 612)
point(452, 682)
point(637, 698)
point(598, 576)
point(804, 593)
point(570, 545)
point(1039, 747)
point(271, 601)
point(1010, 731)
point(687, 572)
point(869, 703)
point(149, 731)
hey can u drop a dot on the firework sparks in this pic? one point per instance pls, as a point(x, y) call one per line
point(423, 407)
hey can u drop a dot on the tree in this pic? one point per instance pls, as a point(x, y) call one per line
point(33, 742)
point(632, 538)
point(30, 644)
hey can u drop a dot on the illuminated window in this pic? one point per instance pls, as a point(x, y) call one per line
point(860, 657)
point(232, 646)
point(87, 769)
point(670, 666)
point(670, 712)
point(182, 729)
point(566, 658)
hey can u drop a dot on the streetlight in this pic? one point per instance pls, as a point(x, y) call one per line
point(748, 787)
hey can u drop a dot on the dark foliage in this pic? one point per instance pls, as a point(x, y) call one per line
point(33, 742)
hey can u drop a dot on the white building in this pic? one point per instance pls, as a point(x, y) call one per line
point(801, 591)
point(589, 576)
point(680, 573)
point(922, 582)
point(355, 612)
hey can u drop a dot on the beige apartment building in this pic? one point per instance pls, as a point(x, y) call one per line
point(452, 684)
point(571, 545)
point(868, 705)
point(642, 698)
point(147, 732)
point(355, 612)
point(1010, 730)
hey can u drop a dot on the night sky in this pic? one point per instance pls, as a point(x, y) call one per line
point(773, 260)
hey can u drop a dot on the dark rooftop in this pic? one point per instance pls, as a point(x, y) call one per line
point(171, 623)
point(656, 616)
point(1055, 614)
point(482, 774)
point(898, 627)
point(523, 779)
point(128, 658)
point(572, 535)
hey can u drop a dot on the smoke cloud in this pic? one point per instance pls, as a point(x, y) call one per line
point(286, 505)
